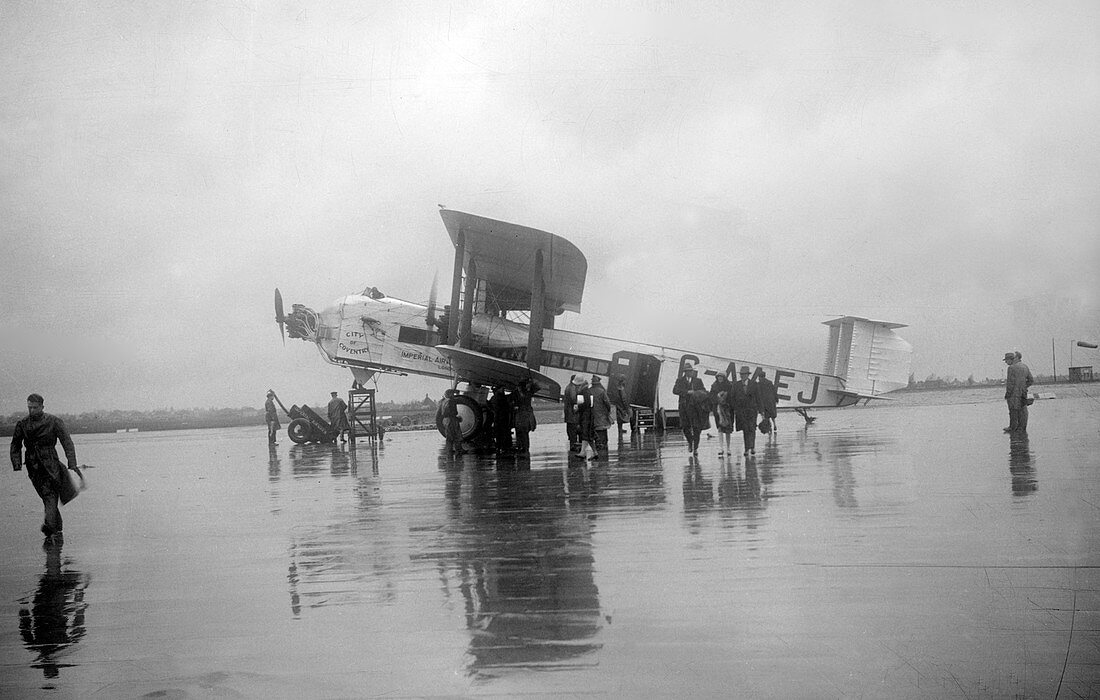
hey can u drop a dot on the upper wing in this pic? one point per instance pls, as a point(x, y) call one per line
point(505, 257)
point(477, 367)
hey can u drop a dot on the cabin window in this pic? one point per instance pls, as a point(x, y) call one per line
point(602, 367)
point(593, 366)
point(416, 336)
point(554, 360)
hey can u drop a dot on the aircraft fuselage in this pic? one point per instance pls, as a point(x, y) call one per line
point(391, 335)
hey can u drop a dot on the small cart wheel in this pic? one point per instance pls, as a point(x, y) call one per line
point(299, 430)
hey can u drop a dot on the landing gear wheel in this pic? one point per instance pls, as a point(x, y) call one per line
point(471, 415)
point(299, 430)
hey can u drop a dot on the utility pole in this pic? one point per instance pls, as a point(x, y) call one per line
point(1054, 364)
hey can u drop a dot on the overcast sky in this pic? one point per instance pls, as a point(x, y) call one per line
point(736, 173)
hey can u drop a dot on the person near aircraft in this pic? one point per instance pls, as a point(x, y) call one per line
point(723, 417)
point(767, 400)
point(500, 407)
point(745, 408)
point(271, 417)
point(692, 406)
point(572, 416)
point(40, 432)
point(601, 415)
point(586, 429)
point(338, 416)
point(623, 412)
point(1017, 381)
point(452, 423)
point(524, 416)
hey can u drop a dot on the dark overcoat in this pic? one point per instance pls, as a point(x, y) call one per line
point(693, 404)
point(766, 396)
point(745, 404)
point(40, 435)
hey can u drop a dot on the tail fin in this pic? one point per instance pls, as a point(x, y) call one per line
point(867, 355)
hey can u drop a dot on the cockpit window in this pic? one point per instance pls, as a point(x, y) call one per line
point(373, 293)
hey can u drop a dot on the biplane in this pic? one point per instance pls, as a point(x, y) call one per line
point(509, 286)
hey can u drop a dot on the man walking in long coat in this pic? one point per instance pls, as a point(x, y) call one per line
point(766, 398)
point(40, 432)
point(746, 406)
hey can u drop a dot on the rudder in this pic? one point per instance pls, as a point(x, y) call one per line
point(867, 355)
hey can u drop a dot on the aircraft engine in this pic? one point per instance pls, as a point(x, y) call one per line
point(302, 323)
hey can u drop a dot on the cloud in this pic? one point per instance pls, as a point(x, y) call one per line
point(734, 174)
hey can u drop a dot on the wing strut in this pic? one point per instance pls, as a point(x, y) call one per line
point(456, 287)
point(538, 314)
point(465, 332)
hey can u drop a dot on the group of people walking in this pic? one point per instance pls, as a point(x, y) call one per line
point(588, 415)
point(590, 411)
point(747, 405)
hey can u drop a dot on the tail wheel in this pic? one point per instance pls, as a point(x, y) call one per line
point(299, 430)
point(471, 415)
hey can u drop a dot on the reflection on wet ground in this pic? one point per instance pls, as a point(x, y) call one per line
point(52, 619)
point(911, 550)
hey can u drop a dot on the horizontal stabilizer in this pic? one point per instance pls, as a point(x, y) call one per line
point(862, 397)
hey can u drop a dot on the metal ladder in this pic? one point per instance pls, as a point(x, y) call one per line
point(362, 418)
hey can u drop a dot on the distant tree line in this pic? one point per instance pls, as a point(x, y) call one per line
point(934, 382)
point(189, 418)
point(416, 412)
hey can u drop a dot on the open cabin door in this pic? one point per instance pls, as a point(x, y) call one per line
point(640, 372)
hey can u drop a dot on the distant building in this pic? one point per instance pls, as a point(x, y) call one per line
point(1080, 374)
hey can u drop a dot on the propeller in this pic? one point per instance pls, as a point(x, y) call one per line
point(280, 317)
point(429, 320)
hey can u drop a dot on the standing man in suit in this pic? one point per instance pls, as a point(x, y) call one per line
point(1017, 382)
point(271, 417)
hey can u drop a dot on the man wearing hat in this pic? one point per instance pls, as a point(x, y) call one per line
point(746, 405)
point(572, 416)
point(452, 422)
point(1017, 382)
point(271, 416)
point(338, 416)
point(601, 416)
point(692, 405)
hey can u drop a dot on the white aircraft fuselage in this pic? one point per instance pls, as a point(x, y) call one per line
point(377, 333)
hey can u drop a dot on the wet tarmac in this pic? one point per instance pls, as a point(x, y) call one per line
point(911, 550)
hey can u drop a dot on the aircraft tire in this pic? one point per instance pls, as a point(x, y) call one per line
point(300, 431)
point(471, 414)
